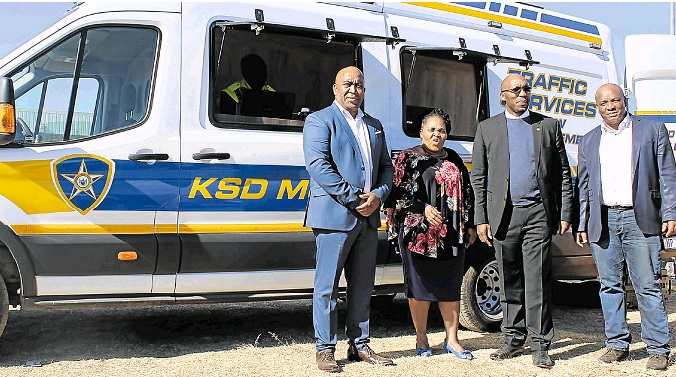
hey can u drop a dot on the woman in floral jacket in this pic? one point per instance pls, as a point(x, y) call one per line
point(429, 214)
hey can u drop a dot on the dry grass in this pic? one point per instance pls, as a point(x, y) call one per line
point(275, 339)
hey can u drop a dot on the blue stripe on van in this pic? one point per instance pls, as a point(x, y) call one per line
point(569, 24)
point(510, 10)
point(140, 187)
point(661, 118)
point(478, 4)
point(529, 14)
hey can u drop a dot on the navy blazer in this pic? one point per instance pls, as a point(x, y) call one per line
point(653, 174)
point(334, 162)
point(490, 171)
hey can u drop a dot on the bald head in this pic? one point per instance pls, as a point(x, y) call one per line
point(610, 102)
point(515, 92)
point(512, 80)
point(349, 89)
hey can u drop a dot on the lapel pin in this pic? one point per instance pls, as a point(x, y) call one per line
point(537, 129)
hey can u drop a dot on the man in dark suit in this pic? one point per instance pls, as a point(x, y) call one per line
point(627, 182)
point(350, 176)
point(523, 195)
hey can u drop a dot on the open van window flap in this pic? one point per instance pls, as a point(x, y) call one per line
point(462, 52)
point(327, 34)
point(410, 71)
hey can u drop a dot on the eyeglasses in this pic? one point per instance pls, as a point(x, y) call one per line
point(516, 91)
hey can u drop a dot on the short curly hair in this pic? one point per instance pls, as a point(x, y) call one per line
point(439, 113)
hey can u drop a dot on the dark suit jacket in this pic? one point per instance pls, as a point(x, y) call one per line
point(653, 173)
point(334, 161)
point(490, 170)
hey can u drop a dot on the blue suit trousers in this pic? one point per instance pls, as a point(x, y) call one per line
point(354, 251)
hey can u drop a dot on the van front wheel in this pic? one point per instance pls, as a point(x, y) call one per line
point(480, 308)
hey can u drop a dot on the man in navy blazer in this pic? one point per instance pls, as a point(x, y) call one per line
point(627, 191)
point(350, 176)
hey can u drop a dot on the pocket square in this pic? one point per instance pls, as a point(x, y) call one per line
point(379, 132)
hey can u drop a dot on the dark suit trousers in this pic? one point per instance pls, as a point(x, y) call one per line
point(523, 251)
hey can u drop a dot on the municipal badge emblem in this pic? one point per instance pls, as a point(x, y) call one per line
point(82, 180)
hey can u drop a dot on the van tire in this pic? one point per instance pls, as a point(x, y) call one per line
point(4, 305)
point(381, 301)
point(480, 308)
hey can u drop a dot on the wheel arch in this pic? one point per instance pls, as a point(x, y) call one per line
point(16, 266)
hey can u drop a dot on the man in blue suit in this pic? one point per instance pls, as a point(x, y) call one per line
point(627, 183)
point(350, 176)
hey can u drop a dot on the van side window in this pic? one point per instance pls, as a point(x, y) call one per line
point(274, 79)
point(437, 78)
point(92, 83)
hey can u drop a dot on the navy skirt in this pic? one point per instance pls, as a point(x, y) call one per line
point(433, 279)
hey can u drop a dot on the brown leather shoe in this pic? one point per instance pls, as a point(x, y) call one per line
point(327, 363)
point(657, 362)
point(366, 354)
point(613, 355)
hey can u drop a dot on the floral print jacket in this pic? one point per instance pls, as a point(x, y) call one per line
point(419, 181)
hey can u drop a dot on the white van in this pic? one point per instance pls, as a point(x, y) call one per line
point(144, 172)
point(650, 82)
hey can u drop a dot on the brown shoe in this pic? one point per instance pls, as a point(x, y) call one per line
point(657, 362)
point(613, 355)
point(366, 354)
point(327, 363)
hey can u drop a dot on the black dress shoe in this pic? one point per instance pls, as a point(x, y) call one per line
point(541, 359)
point(366, 354)
point(507, 351)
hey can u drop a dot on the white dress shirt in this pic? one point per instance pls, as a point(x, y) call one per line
point(615, 151)
point(360, 131)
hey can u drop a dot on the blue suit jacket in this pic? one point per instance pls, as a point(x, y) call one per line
point(653, 173)
point(334, 161)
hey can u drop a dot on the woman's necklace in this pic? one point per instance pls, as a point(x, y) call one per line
point(431, 153)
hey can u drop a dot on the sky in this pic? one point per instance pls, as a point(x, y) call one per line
point(22, 20)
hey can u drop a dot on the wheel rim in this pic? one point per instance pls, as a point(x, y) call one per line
point(488, 291)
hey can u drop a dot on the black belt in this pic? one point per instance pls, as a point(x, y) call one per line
point(619, 208)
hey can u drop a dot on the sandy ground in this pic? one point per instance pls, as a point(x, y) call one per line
point(275, 339)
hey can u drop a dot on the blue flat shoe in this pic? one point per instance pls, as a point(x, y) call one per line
point(425, 351)
point(464, 355)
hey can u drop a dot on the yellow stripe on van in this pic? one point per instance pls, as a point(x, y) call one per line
point(507, 20)
point(655, 112)
point(34, 229)
point(242, 228)
point(29, 229)
point(246, 228)
point(28, 184)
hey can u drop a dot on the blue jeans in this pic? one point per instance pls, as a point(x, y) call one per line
point(623, 242)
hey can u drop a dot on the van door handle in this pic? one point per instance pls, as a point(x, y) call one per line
point(211, 156)
point(149, 156)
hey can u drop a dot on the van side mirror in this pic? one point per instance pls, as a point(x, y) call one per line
point(7, 113)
